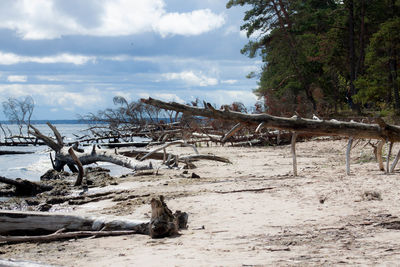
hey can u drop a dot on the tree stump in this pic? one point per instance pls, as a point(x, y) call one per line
point(163, 223)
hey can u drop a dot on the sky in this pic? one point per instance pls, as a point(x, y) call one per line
point(72, 57)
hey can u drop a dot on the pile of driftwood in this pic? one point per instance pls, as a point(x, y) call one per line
point(136, 159)
point(193, 130)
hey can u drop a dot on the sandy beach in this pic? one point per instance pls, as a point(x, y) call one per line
point(252, 212)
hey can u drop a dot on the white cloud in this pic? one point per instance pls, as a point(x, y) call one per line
point(49, 78)
point(54, 95)
point(17, 78)
point(49, 19)
point(222, 97)
point(232, 29)
point(169, 97)
point(191, 78)
point(63, 58)
point(193, 23)
point(229, 81)
point(11, 58)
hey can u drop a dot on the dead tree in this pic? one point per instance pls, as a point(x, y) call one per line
point(19, 111)
point(63, 157)
point(381, 131)
point(352, 130)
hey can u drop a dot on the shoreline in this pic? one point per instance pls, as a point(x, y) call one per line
point(320, 217)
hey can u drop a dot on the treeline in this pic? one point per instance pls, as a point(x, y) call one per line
point(325, 56)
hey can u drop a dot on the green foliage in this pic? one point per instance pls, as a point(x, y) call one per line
point(377, 83)
point(315, 51)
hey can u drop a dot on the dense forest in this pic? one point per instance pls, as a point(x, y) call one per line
point(325, 56)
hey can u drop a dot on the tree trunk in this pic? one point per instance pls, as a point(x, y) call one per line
point(39, 222)
point(293, 48)
point(381, 131)
point(394, 79)
point(361, 58)
point(352, 56)
point(163, 223)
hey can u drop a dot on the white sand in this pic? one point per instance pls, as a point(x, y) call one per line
point(285, 225)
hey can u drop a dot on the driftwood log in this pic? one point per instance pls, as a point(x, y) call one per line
point(43, 222)
point(162, 155)
point(59, 226)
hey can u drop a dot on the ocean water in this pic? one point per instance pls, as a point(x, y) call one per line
point(32, 166)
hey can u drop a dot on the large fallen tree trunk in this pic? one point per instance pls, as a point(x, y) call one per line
point(163, 223)
point(40, 222)
point(381, 130)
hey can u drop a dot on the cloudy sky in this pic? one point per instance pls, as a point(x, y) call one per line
point(74, 56)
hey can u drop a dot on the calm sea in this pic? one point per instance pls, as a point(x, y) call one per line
point(32, 166)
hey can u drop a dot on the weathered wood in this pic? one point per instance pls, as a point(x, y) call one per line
point(25, 187)
point(179, 142)
point(293, 149)
point(234, 130)
point(59, 236)
point(47, 140)
point(163, 156)
point(79, 164)
point(259, 127)
point(102, 155)
point(348, 150)
point(389, 152)
point(246, 190)
point(56, 134)
point(396, 160)
point(63, 157)
point(163, 223)
point(379, 154)
point(204, 156)
point(380, 131)
point(32, 222)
